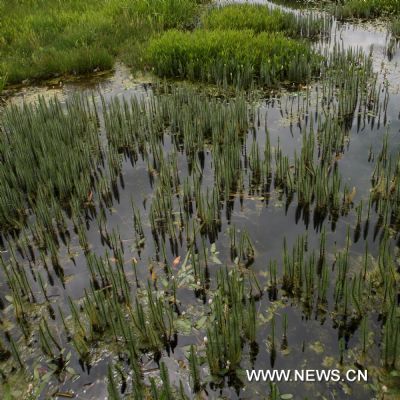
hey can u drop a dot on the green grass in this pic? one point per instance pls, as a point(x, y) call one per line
point(367, 8)
point(232, 57)
point(395, 27)
point(261, 18)
point(347, 9)
point(43, 38)
point(3, 81)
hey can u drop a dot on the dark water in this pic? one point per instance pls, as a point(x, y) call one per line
point(312, 339)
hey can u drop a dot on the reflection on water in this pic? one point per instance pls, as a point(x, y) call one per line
point(267, 223)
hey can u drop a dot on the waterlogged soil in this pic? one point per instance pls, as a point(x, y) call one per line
point(312, 338)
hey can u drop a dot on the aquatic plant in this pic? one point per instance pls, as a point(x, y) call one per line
point(32, 139)
point(113, 392)
point(366, 8)
point(230, 324)
point(232, 57)
point(194, 370)
point(395, 27)
point(210, 161)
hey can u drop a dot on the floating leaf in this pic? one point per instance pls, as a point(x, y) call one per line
point(215, 260)
point(153, 276)
point(176, 261)
point(328, 362)
point(201, 322)
point(36, 374)
point(164, 282)
point(184, 326)
point(317, 346)
point(71, 371)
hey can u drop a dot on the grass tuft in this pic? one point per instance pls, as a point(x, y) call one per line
point(232, 57)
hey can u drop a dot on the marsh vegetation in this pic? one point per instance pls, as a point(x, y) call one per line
point(239, 211)
point(42, 39)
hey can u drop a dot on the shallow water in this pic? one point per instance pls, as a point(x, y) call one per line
point(267, 224)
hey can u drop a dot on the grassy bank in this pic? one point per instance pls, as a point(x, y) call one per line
point(395, 27)
point(42, 38)
point(232, 57)
point(347, 9)
point(367, 8)
point(260, 18)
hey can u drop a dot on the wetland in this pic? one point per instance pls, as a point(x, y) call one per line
point(230, 202)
